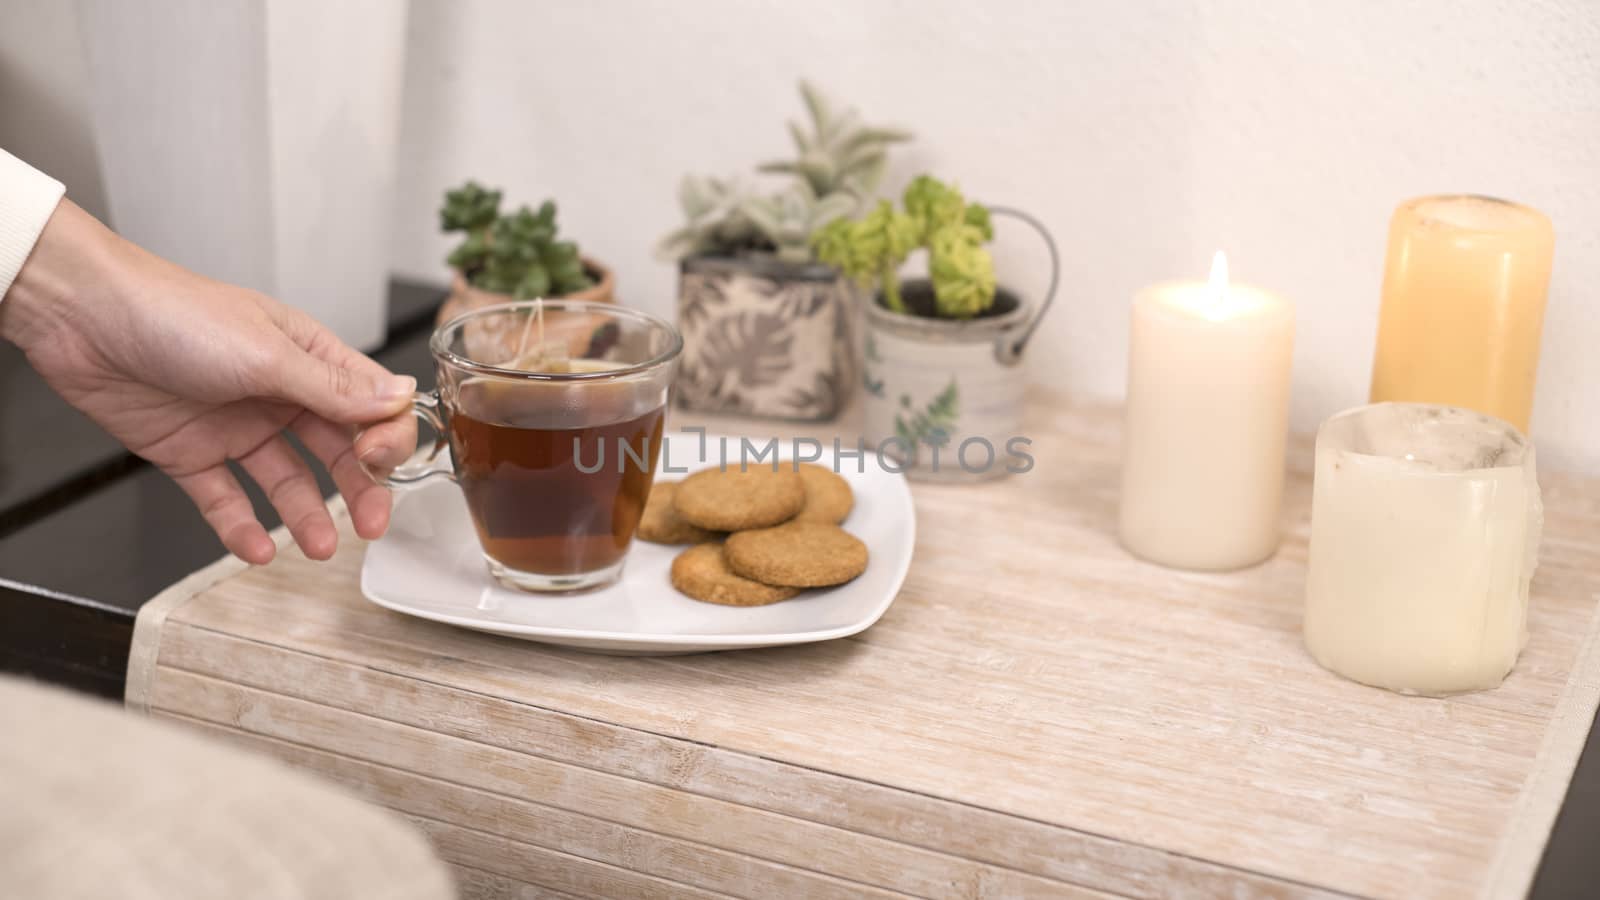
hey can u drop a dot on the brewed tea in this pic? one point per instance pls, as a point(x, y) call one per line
point(518, 449)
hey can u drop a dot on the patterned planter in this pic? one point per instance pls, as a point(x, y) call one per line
point(764, 338)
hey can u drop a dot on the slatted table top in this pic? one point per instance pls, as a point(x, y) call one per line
point(1039, 714)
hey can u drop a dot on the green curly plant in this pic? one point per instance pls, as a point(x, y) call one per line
point(515, 254)
point(936, 218)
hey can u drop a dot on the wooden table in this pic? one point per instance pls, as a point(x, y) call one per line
point(1039, 714)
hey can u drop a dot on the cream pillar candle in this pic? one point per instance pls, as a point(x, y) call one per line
point(1425, 526)
point(1207, 418)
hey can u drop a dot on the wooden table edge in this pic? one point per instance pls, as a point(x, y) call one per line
point(1516, 860)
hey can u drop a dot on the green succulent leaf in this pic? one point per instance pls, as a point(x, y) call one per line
point(802, 143)
point(962, 272)
point(934, 205)
point(515, 253)
point(816, 105)
point(977, 216)
point(835, 155)
point(535, 282)
point(470, 253)
point(469, 208)
point(834, 206)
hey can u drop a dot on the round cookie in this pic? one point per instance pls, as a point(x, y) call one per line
point(828, 496)
point(797, 554)
point(660, 523)
point(703, 573)
point(735, 499)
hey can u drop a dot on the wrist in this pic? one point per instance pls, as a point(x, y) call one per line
point(69, 268)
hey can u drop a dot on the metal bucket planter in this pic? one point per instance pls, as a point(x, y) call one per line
point(764, 338)
point(944, 396)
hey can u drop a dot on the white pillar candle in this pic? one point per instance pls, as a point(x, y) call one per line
point(1207, 419)
point(1424, 535)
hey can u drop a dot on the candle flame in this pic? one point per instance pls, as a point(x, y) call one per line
point(1219, 276)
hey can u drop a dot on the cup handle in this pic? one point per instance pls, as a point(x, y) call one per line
point(1009, 348)
point(419, 469)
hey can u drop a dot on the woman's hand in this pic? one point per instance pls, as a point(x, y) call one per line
point(189, 373)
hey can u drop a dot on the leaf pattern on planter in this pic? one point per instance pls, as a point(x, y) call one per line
point(805, 301)
point(697, 295)
point(824, 391)
point(750, 348)
point(934, 424)
point(766, 346)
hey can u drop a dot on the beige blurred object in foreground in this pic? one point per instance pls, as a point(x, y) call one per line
point(95, 803)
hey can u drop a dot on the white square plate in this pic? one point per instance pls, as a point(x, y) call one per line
point(429, 565)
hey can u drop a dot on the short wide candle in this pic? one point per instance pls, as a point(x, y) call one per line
point(1425, 526)
point(1207, 420)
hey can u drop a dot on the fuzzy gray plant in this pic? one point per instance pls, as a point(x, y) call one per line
point(838, 166)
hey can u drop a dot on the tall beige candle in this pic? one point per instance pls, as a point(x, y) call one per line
point(1207, 420)
point(1463, 305)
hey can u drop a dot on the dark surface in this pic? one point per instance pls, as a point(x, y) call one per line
point(105, 533)
point(44, 443)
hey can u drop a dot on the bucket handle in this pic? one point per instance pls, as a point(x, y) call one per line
point(1009, 349)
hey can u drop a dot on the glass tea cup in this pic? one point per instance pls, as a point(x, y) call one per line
point(553, 411)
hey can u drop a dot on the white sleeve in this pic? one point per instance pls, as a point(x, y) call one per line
point(27, 198)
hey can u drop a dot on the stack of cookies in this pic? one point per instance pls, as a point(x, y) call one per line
point(759, 535)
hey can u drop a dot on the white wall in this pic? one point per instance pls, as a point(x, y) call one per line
point(251, 141)
point(1146, 134)
point(254, 142)
point(44, 96)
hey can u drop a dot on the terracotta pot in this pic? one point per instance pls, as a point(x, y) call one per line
point(466, 298)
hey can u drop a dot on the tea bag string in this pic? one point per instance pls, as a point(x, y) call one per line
point(527, 326)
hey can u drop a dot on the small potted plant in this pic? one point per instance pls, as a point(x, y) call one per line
point(514, 256)
point(767, 329)
point(944, 391)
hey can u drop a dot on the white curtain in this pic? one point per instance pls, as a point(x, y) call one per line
point(254, 141)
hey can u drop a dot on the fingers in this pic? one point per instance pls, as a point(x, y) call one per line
point(349, 390)
point(287, 481)
point(388, 443)
point(334, 446)
point(227, 510)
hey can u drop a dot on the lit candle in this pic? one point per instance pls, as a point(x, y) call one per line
point(1207, 419)
point(1425, 526)
point(1463, 305)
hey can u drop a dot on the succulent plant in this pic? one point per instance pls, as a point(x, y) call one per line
point(839, 153)
point(788, 219)
point(716, 222)
point(936, 218)
point(962, 272)
point(839, 165)
point(873, 247)
point(515, 254)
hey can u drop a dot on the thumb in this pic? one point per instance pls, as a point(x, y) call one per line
point(340, 393)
